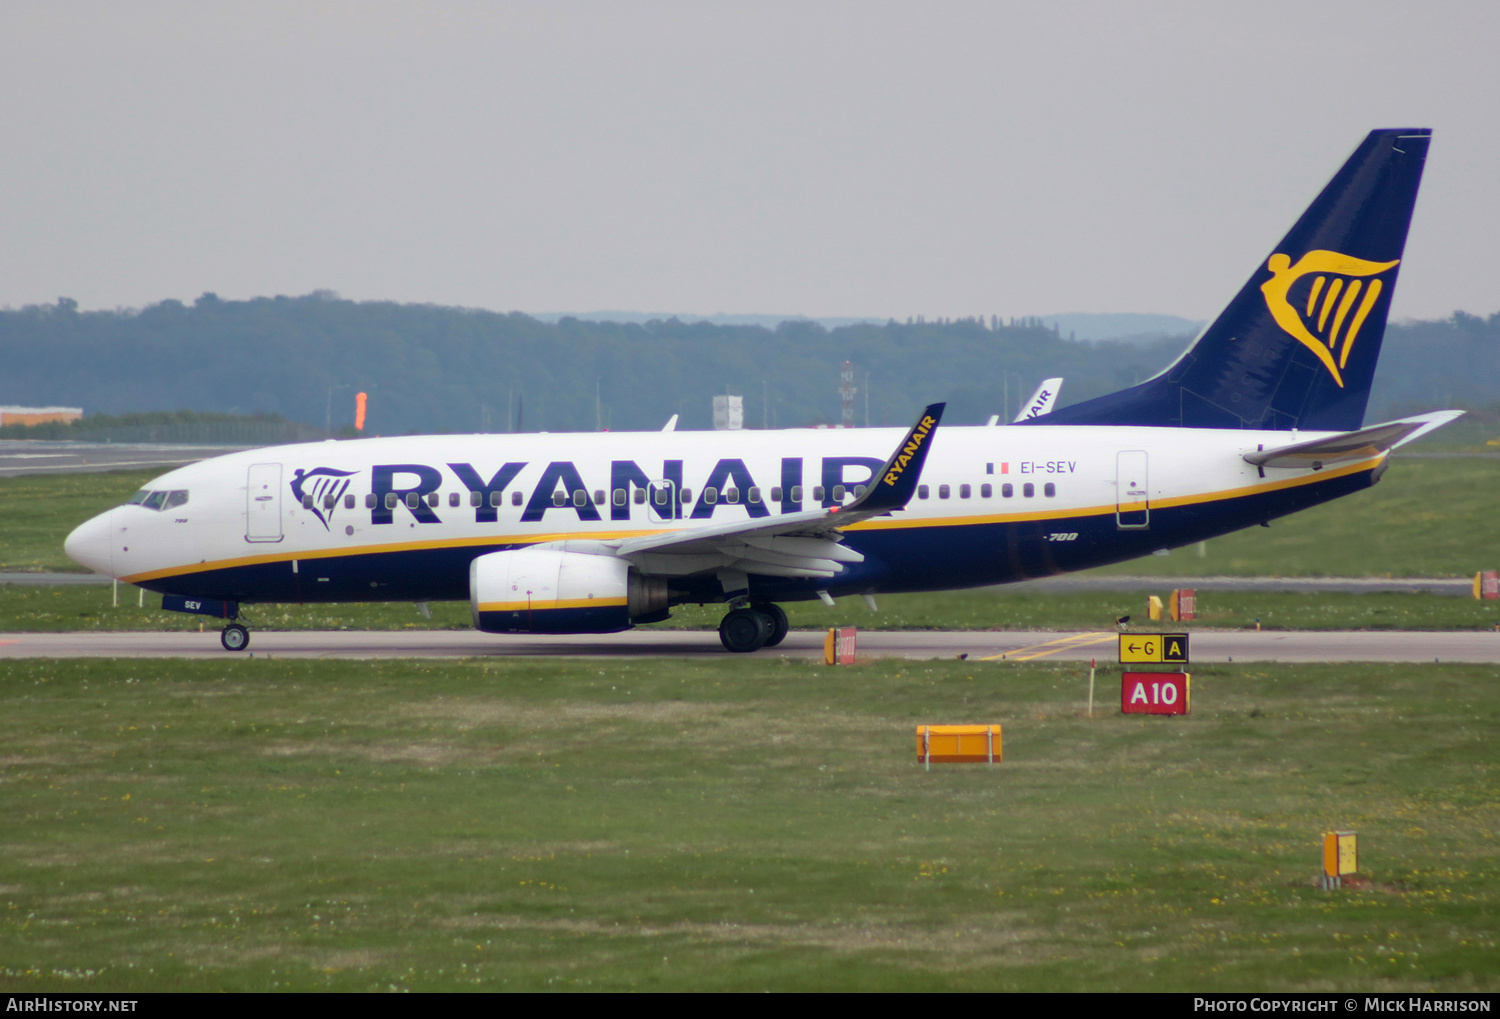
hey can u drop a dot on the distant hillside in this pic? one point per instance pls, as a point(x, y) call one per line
point(1127, 327)
point(430, 368)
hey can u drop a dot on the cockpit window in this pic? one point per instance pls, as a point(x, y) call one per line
point(159, 500)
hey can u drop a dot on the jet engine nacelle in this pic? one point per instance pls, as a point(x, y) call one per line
point(550, 591)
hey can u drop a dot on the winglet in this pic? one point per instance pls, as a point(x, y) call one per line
point(894, 483)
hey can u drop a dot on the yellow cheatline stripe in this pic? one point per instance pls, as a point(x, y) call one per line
point(543, 606)
point(867, 525)
point(1051, 647)
point(406, 546)
point(1093, 511)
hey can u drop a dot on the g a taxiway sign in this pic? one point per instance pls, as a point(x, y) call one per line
point(1162, 648)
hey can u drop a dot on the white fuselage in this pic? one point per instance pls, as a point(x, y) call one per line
point(396, 517)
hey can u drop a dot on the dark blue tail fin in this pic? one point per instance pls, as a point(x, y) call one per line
point(1297, 346)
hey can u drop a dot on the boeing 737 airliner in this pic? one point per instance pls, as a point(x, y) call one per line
point(593, 533)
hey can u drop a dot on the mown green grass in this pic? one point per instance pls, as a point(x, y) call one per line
point(27, 608)
point(744, 824)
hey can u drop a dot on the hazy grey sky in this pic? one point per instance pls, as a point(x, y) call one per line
point(817, 158)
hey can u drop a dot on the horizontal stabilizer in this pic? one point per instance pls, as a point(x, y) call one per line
point(1352, 446)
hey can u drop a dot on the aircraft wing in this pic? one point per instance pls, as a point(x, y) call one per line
point(1351, 446)
point(794, 544)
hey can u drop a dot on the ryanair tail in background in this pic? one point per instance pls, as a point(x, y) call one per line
point(1297, 347)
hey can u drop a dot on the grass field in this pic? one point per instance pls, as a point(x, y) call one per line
point(745, 824)
point(66, 608)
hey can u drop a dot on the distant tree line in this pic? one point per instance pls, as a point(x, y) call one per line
point(441, 369)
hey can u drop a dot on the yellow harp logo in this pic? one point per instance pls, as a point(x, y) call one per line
point(1318, 320)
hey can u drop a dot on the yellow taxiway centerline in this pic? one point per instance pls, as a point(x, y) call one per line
point(1051, 647)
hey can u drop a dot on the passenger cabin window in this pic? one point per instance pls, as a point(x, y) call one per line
point(619, 497)
point(515, 498)
point(838, 493)
point(640, 496)
point(412, 499)
point(921, 491)
point(1007, 491)
point(731, 495)
point(330, 501)
point(687, 496)
point(753, 495)
point(580, 498)
point(348, 502)
point(306, 500)
point(495, 498)
point(859, 491)
point(943, 491)
point(559, 498)
point(474, 499)
point(710, 495)
point(1049, 490)
point(452, 498)
point(817, 493)
point(659, 496)
point(986, 491)
point(964, 491)
point(1028, 490)
point(433, 499)
point(598, 497)
point(390, 500)
point(370, 501)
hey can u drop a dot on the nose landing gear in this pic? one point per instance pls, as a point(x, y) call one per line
point(750, 629)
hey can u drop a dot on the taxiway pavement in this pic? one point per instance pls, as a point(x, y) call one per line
point(991, 646)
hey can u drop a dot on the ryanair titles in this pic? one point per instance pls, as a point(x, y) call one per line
point(426, 493)
point(909, 451)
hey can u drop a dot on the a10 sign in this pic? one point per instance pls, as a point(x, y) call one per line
point(1155, 693)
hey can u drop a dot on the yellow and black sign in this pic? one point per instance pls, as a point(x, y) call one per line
point(1140, 648)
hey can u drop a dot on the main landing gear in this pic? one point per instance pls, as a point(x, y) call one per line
point(750, 629)
point(235, 637)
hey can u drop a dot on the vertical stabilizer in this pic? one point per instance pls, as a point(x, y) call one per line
point(1297, 347)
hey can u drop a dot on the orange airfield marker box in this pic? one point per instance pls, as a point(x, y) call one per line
point(958, 744)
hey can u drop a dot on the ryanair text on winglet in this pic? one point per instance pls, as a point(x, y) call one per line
point(913, 443)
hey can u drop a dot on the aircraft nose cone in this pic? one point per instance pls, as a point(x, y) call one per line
point(89, 545)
